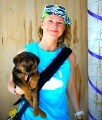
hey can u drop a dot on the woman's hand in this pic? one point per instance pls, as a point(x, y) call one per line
point(18, 90)
point(14, 89)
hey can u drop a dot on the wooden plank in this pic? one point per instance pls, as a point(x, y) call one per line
point(19, 20)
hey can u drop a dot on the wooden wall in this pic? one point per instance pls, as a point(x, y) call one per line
point(19, 20)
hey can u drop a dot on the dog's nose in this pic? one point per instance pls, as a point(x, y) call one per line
point(28, 73)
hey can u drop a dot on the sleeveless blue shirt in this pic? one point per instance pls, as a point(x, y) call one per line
point(52, 96)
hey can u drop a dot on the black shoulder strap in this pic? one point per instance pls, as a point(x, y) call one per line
point(46, 75)
point(53, 67)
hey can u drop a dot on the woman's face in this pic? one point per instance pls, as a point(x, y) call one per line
point(53, 26)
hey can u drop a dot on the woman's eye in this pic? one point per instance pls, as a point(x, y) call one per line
point(50, 21)
point(60, 23)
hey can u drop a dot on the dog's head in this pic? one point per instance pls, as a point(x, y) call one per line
point(26, 62)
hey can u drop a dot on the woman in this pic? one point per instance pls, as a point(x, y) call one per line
point(54, 31)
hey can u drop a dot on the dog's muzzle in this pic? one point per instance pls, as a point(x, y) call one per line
point(29, 73)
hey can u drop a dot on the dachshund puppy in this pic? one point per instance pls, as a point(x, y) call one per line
point(26, 63)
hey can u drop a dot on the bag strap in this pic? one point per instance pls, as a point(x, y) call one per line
point(53, 67)
point(47, 74)
point(23, 109)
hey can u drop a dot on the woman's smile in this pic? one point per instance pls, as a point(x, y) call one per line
point(54, 31)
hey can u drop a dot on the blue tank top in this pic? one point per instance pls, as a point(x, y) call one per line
point(52, 97)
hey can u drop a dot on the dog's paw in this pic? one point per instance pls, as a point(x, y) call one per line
point(42, 113)
point(36, 112)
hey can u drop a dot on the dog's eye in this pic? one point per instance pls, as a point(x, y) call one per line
point(23, 65)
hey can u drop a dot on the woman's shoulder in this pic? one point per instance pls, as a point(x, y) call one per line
point(30, 46)
point(72, 58)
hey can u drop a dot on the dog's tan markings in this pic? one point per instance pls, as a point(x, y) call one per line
point(27, 91)
point(34, 80)
point(22, 76)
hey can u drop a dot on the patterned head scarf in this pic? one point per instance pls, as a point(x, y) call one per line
point(56, 10)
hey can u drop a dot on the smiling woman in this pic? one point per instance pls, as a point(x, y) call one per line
point(54, 31)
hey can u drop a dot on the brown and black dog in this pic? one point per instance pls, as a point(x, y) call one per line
point(26, 63)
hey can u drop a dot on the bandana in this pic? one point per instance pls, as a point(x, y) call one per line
point(56, 10)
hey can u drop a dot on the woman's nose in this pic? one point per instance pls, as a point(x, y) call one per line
point(54, 24)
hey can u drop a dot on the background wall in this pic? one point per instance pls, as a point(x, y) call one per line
point(19, 20)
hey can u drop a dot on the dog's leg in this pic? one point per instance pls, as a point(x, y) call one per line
point(34, 86)
point(35, 102)
point(34, 80)
point(27, 93)
point(37, 110)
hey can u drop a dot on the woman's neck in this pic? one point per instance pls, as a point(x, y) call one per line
point(48, 45)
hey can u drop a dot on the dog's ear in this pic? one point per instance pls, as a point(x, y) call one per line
point(16, 59)
point(34, 57)
point(37, 59)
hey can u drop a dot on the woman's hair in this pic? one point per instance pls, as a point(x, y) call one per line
point(65, 38)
